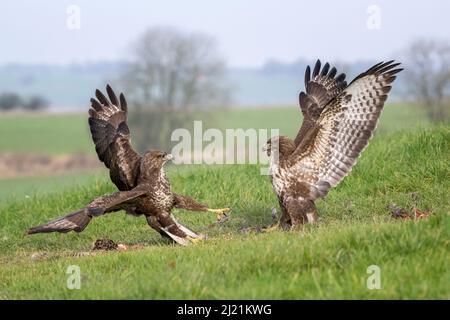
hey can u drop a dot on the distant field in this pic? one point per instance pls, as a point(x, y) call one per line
point(69, 133)
point(329, 260)
point(22, 188)
point(45, 133)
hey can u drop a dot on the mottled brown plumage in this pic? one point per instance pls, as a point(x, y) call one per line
point(144, 188)
point(338, 122)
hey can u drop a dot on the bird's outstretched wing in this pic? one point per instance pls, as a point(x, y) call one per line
point(112, 139)
point(78, 220)
point(320, 89)
point(344, 128)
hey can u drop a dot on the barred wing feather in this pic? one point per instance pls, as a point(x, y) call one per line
point(344, 129)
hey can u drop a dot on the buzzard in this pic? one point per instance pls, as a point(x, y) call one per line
point(144, 188)
point(338, 122)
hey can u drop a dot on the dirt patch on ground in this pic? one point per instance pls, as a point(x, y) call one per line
point(14, 165)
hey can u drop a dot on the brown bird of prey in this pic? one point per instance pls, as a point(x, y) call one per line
point(143, 186)
point(338, 122)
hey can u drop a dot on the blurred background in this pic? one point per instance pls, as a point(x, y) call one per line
point(231, 64)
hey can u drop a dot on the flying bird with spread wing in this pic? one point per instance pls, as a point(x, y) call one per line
point(144, 188)
point(338, 122)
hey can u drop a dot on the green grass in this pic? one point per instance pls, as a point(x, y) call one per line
point(45, 134)
point(20, 188)
point(69, 133)
point(329, 260)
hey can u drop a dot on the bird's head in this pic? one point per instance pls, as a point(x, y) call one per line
point(156, 159)
point(280, 146)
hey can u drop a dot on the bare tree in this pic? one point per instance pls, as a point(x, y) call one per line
point(171, 75)
point(13, 101)
point(36, 103)
point(428, 77)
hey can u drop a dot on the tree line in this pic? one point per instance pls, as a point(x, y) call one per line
point(10, 101)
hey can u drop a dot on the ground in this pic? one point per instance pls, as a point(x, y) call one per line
point(408, 166)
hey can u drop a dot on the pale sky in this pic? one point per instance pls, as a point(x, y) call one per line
point(248, 32)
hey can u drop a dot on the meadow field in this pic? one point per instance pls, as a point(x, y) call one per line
point(68, 133)
point(406, 164)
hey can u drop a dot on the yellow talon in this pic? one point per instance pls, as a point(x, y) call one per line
point(273, 227)
point(194, 240)
point(220, 213)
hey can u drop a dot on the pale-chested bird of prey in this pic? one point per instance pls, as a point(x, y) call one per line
point(144, 189)
point(338, 122)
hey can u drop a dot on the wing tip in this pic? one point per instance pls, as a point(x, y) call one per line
point(317, 68)
point(384, 67)
point(380, 69)
point(123, 103)
point(111, 94)
point(307, 75)
point(325, 69)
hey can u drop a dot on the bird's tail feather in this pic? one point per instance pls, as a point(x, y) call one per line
point(75, 221)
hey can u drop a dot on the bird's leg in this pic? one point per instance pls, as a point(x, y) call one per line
point(180, 240)
point(275, 222)
point(295, 211)
point(167, 228)
point(154, 223)
point(301, 211)
point(310, 213)
point(188, 203)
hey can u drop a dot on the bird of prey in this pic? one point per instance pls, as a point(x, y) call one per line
point(144, 188)
point(338, 122)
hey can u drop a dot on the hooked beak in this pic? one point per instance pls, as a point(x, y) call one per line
point(168, 157)
point(267, 149)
